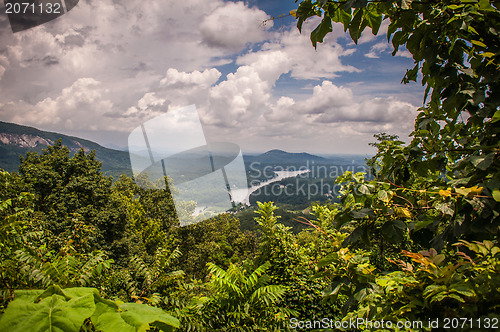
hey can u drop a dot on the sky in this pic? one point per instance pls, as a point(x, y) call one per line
point(108, 66)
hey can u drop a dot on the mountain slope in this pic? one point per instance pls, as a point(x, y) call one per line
point(280, 157)
point(16, 140)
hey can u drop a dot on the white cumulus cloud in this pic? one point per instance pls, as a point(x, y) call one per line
point(306, 62)
point(174, 77)
point(233, 25)
point(78, 106)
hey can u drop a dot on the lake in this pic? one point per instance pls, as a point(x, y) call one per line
point(243, 195)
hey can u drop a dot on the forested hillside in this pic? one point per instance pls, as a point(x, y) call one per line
point(17, 140)
point(413, 247)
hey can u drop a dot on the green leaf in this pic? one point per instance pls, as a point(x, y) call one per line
point(132, 317)
point(355, 235)
point(360, 214)
point(321, 30)
point(355, 26)
point(52, 313)
point(432, 290)
point(429, 219)
point(403, 212)
point(445, 208)
point(328, 259)
point(363, 189)
point(496, 195)
point(483, 162)
point(488, 54)
point(484, 4)
point(373, 19)
point(393, 231)
point(478, 43)
point(454, 296)
point(397, 39)
point(438, 259)
point(355, 4)
point(463, 290)
point(496, 117)
point(107, 319)
point(382, 196)
point(305, 10)
point(411, 75)
point(341, 16)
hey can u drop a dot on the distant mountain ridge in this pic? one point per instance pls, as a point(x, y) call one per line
point(16, 140)
point(280, 157)
point(276, 153)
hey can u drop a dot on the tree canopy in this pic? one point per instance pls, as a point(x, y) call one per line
point(448, 176)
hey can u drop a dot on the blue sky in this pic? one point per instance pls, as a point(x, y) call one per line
point(105, 67)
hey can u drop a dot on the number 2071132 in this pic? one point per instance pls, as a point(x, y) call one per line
point(32, 8)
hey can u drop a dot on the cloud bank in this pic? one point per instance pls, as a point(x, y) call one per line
point(108, 66)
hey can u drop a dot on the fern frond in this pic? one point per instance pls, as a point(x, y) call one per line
point(93, 267)
point(141, 269)
point(215, 270)
point(268, 294)
point(223, 285)
point(175, 274)
point(163, 258)
point(222, 281)
point(235, 274)
point(254, 278)
point(31, 267)
point(62, 269)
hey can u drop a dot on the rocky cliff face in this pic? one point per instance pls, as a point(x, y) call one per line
point(24, 141)
point(33, 141)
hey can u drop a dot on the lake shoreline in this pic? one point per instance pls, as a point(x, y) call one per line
point(238, 193)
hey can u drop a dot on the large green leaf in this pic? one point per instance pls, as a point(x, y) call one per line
point(52, 310)
point(132, 317)
point(65, 310)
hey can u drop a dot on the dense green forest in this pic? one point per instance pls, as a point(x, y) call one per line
point(414, 247)
point(114, 162)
